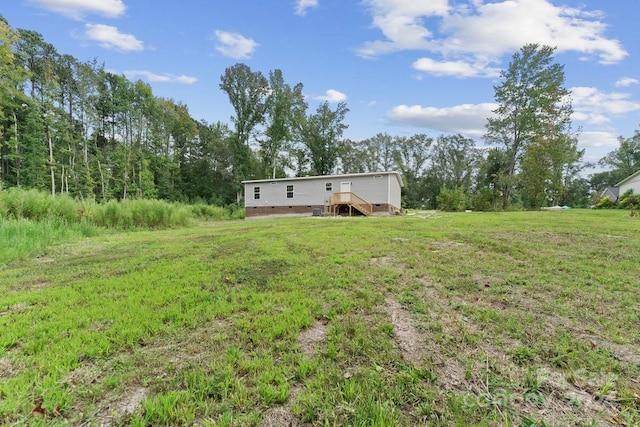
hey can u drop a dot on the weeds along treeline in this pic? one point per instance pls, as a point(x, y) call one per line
point(37, 206)
point(32, 221)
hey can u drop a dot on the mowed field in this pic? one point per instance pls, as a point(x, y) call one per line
point(527, 318)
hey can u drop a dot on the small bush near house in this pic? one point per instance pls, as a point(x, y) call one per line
point(605, 203)
point(629, 200)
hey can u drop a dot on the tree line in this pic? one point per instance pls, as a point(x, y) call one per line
point(72, 127)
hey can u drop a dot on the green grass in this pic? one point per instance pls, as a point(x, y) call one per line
point(520, 319)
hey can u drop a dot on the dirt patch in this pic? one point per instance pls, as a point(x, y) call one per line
point(280, 416)
point(127, 405)
point(20, 307)
point(131, 401)
point(448, 245)
point(410, 341)
point(84, 375)
point(6, 368)
point(101, 325)
point(383, 261)
point(309, 338)
point(32, 285)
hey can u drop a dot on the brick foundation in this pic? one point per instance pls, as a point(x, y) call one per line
point(265, 211)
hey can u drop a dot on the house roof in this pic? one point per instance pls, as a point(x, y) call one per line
point(612, 192)
point(324, 177)
point(629, 178)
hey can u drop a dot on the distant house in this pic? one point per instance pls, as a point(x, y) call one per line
point(367, 194)
point(632, 182)
point(612, 193)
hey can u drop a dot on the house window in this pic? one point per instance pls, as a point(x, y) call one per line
point(328, 186)
point(256, 193)
point(290, 191)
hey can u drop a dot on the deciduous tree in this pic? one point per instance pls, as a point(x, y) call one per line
point(321, 135)
point(534, 108)
point(285, 110)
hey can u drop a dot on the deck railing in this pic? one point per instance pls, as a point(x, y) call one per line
point(352, 200)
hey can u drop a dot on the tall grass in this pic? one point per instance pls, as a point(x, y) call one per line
point(37, 206)
point(23, 237)
point(139, 213)
point(31, 220)
point(217, 213)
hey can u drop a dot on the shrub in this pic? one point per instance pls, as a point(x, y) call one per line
point(605, 203)
point(451, 199)
point(629, 200)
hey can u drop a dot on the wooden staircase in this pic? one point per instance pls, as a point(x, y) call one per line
point(352, 201)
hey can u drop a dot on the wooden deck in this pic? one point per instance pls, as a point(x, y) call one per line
point(350, 200)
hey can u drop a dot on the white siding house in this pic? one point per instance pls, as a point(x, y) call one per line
point(631, 182)
point(313, 195)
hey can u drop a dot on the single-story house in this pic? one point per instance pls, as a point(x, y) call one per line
point(632, 182)
point(612, 193)
point(375, 193)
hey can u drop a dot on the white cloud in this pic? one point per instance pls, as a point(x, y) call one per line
point(110, 38)
point(303, 5)
point(626, 81)
point(596, 139)
point(454, 68)
point(77, 9)
point(160, 78)
point(468, 119)
point(595, 107)
point(332, 96)
point(401, 23)
point(479, 33)
point(235, 45)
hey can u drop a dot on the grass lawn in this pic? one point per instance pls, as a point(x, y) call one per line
point(528, 318)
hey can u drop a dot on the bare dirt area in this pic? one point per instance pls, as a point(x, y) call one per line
point(310, 338)
point(6, 368)
point(282, 415)
point(20, 307)
point(409, 340)
point(126, 405)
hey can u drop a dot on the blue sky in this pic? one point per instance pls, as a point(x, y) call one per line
point(402, 66)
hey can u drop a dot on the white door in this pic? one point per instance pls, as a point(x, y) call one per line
point(345, 187)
